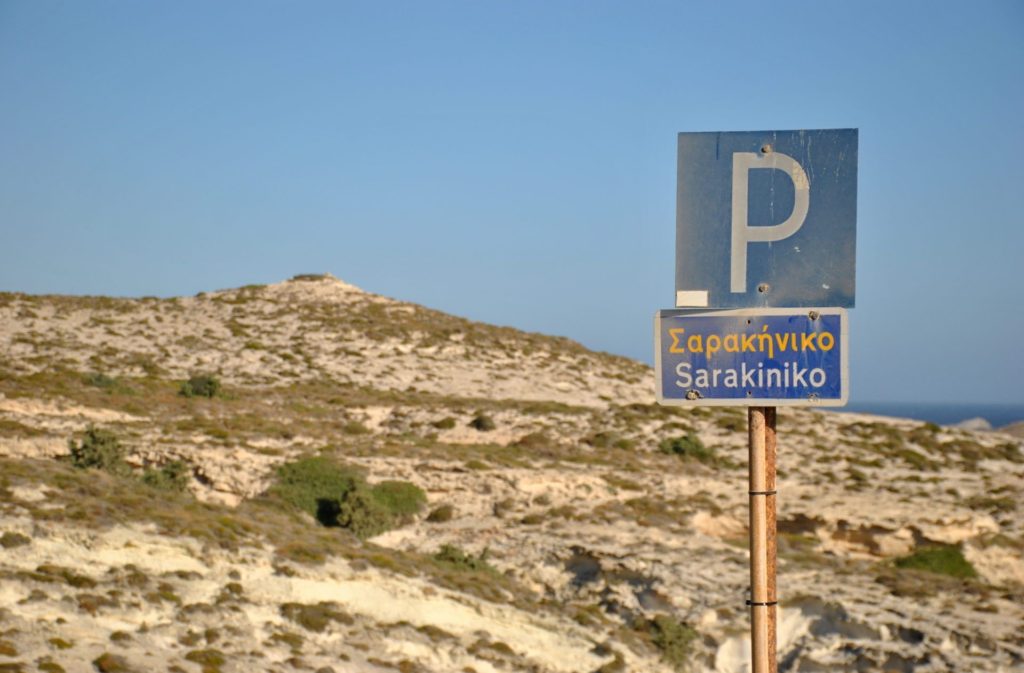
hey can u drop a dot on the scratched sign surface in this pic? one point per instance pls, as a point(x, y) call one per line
point(763, 357)
point(766, 219)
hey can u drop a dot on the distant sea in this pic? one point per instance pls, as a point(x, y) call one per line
point(997, 415)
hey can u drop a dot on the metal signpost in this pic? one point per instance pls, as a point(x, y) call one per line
point(765, 226)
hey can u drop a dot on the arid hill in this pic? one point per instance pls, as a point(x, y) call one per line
point(307, 476)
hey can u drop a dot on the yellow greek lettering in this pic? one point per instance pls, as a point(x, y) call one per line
point(731, 343)
point(826, 341)
point(807, 343)
point(782, 340)
point(714, 344)
point(762, 339)
point(748, 343)
point(695, 339)
point(677, 334)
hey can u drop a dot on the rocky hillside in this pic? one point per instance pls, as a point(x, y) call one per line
point(306, 476)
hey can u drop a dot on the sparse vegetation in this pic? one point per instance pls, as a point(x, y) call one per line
point(441, 514)
point(674, 639)
point(569, 455)
point(483, 423)
point(172, 476)
point(210, 660)
point(605, 440)
point(360, 512)
point(402, 499)
point(309, 482)
point(940, 560)
point(11, 540)
point(202, 385)
point(104, 382)
point(992, 503)
point(337, 495)
point(688, 447)
point(99, 449)
point(456, 557)
point(315, 617)
point(111, 663)
point(534, 441)
point(355, 428)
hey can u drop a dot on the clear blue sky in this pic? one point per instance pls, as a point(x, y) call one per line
point(514, 162)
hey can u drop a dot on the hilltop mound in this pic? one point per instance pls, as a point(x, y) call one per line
point(311, 328)
point(350, 482)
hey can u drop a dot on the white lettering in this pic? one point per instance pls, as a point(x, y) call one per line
point(742, 232)
point(817, 377)
point(685, 379)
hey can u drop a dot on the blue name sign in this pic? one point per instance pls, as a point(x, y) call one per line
point(762, 357)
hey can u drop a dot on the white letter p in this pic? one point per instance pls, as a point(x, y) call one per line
point(742, 233)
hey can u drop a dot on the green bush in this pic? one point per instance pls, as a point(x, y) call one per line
point(172, 476)
point(355, 428)
point(315, 617)
point(674, 639)
point(11, 540)
point(101, 381)
point(111, 663)
point(605, 440)
point(363, 514)
point(441, 514)
point(99, 449)
point(689, 447)
point(201, 386)
point(533, 441)
point(483, 423)
point(308, 483)
point(337, 495)
point(446, 423)
point(400, 498)
point(731, 422)
point(451, 555)
point(939, 559)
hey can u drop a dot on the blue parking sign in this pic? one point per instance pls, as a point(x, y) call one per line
point(766, 219)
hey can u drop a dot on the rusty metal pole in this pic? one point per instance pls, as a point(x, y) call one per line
point(771, 454)
point(762, 539)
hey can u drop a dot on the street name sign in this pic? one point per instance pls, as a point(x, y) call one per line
point(766, 219)
point(762, 357)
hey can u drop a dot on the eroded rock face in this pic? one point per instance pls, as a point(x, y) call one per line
point(546, 459)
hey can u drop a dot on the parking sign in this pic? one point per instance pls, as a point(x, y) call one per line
point(766, 219)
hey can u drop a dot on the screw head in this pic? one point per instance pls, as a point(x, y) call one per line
point(763, 288)
point(766, 148)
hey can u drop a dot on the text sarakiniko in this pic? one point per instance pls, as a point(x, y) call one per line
point(788, 375)
point(765, 342)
